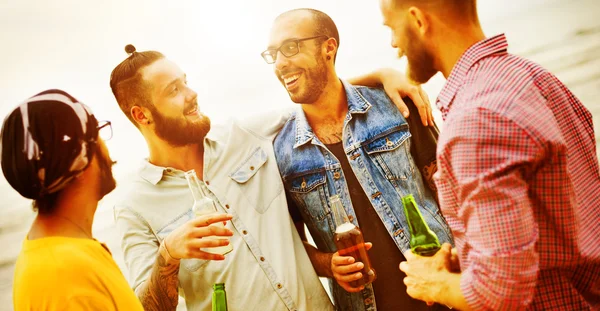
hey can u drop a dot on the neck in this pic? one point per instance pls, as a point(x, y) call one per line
point(72, 216)
point(456, 42)
point(331, 107)
point(183, 158)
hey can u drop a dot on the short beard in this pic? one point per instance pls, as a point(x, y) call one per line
point(180, 132)
point(316, 82)
point(420, 61)
point(107, 180)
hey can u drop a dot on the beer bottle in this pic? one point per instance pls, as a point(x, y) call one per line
point(219, 297)
point(350, 242)
point(423, 241)
point(204, 205)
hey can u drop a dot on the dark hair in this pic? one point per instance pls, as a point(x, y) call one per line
point(323, 24)
point(46, 204)
point(463, 9)
point(126, 80)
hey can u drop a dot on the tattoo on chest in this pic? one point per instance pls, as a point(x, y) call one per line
point(329, 134)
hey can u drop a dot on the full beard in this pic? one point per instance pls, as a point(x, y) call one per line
point(180, 132)
point(420, 60)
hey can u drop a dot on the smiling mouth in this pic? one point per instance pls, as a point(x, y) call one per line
point(290, 80)
point(194, 111)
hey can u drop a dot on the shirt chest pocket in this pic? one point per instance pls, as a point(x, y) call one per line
point(258, 180)
point(390, 153)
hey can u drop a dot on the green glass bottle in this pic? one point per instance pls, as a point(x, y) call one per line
point(219, 297)
point(423, 241)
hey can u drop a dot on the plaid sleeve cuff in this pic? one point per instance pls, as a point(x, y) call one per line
point(485, 291)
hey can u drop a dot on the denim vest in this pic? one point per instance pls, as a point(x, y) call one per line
point(376, 140)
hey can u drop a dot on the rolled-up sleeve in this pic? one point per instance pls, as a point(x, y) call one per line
point(139, 245)
point(489, 159)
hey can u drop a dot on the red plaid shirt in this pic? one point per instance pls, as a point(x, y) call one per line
point(519, 184)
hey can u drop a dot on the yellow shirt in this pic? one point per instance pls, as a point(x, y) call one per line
point(61, 273)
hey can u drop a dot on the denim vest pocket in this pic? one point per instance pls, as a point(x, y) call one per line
point(308, 190)
point(254, 173)
point(390, 151)
point(188, 264)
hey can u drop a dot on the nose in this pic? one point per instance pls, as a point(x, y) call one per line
point(281, 61)
point(393, 42)
point(191, 94)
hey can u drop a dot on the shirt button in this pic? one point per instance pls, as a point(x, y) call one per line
point(350, 218)
point(389, 142)
point(279, 286)
point(169, 170)
point(262, 258)
point(337, 175)
point(245, 232)
point(227, 206)
point(207, 182)
point(251, 168)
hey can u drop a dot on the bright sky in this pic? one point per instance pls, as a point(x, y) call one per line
point(75, 44)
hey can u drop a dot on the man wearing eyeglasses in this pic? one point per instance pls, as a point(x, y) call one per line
point(268, 268)
point(352, 142)
point(65, 168)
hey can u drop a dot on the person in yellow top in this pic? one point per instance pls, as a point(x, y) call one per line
point(52, 153)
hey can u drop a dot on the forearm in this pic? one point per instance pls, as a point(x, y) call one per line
point(320, 261)
point(449, 292)
point(160, 290)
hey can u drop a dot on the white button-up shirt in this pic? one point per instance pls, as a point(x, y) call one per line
point(268, 268)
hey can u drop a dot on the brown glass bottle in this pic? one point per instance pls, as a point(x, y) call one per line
point(350, 242)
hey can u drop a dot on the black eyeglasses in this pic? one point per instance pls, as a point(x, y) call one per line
point(105, 130)
point(288, 48)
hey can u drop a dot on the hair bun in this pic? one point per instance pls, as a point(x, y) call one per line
point(130, 49)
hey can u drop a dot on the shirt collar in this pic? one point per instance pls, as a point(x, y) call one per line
point(496, 45)
point(154, 173)
point(150, 172)
point(356, 104)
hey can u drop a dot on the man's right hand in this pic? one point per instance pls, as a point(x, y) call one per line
point(186, 241)
point(345, 270)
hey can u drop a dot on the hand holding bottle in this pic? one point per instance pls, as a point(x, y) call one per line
point(187, 241)
point(346, 271)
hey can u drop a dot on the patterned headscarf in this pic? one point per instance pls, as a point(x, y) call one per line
point(46, 142)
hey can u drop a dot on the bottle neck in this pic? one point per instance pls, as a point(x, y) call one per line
point(339, 213)
point(195, 185)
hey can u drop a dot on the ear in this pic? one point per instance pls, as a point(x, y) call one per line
point(418, 20)
point(141, 115)
point(330, 48)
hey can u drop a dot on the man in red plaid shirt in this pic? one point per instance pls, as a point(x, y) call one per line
point(518, 174)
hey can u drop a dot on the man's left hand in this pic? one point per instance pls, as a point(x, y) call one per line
point(423, 274)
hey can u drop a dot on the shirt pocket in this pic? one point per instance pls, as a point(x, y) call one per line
point(390, 151)
point(258, 180)
point(309, 192)
point(188, 264)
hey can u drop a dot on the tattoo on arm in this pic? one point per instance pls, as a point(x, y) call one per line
point(160, 290)
point(428, 171)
